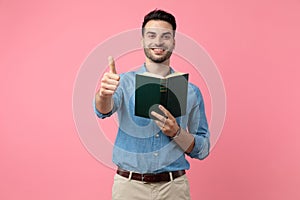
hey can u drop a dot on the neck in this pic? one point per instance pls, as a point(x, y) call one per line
point(162, 69)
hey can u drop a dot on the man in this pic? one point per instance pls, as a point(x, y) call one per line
point(150, 153)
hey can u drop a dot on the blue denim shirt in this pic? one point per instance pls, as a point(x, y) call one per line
point(140, 145)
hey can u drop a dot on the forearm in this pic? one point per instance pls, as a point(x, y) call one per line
point(185, 140)
point(103, 104)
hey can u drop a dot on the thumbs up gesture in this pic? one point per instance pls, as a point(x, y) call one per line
point(110, 80)
point(111, 63)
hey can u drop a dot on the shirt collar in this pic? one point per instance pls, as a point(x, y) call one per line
point(143, 69)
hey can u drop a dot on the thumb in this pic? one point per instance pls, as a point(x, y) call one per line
point(111, 63)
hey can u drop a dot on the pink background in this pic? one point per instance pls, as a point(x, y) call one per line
point(255, 45)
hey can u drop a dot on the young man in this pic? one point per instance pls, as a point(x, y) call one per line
point(150, 154)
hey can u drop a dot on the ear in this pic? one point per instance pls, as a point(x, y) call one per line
point(174, 44)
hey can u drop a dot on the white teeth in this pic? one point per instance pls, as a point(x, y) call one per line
point(157, 49)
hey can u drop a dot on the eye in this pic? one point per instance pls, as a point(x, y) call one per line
point(151, 35)
point(167, 37)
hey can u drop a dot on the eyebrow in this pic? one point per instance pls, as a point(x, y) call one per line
point(165, 33)
point(150, 32)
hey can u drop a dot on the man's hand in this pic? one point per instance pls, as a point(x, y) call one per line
point(169, 127)
point(109, 84)
point(110, 80)
point(166, 123)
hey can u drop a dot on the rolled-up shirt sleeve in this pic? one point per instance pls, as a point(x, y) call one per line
point(99, 114)
point(198, 126)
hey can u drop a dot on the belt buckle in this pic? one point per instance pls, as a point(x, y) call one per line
point(142, 177)
point(146, 178)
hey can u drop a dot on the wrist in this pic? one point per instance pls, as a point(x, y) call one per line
point(185, 141)
point(177, 133)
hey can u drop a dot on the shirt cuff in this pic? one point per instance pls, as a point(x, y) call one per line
point(201, 148)
point(99, 114)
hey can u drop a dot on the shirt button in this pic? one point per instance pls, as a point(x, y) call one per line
point(157, 135)
point(155, 154)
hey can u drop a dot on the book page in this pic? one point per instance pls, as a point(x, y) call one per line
point(175, 74)
point(161, 77)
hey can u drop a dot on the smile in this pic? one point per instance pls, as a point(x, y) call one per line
point(158, 50)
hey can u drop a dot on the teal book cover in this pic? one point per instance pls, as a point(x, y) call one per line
point(152, 90)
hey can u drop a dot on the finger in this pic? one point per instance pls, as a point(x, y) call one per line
point(109, 86)
point(110, 75)
point(111, 78)
point(105, 92)
point(158, 116)
point(165, 111)
point(160, 124)
point(111, 82)
point(111, 63)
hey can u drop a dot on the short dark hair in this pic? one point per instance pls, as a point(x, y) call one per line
point(159, 15)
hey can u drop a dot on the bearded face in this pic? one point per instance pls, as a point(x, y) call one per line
point(158, 41)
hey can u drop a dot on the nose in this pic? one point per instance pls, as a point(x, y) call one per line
point(158, 41)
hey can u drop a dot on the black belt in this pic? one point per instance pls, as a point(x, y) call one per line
point(151, 178)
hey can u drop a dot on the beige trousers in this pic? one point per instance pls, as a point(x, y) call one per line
point(126, 189)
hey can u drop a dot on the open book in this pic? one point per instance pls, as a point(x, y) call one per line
point(152, 90)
